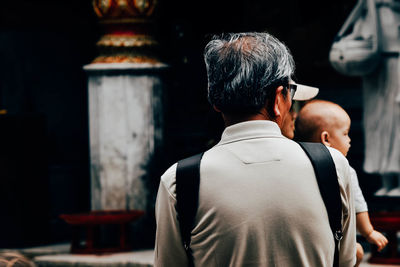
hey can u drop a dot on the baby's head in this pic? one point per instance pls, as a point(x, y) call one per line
point(325, 122)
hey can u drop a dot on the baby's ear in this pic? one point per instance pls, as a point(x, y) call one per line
point(325, 138)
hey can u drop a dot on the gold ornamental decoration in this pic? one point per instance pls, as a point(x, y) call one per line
point(128, 26)
point(128, 9)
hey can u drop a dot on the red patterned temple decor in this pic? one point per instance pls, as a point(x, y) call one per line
point(129, 27)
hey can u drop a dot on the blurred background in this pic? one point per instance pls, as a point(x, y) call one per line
point(44, 139)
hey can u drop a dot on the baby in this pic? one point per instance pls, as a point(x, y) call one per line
point(328, 123)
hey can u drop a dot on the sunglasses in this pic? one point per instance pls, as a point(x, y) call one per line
point(292, 89)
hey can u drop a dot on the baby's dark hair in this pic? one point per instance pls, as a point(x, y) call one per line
point(306, 131)
point(314, 117)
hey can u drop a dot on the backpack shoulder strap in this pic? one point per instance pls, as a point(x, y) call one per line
point(187, 197)
point(328, 184)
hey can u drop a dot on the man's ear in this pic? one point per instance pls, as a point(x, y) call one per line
point(216, 109)
point(278, 101)
point(325, 138)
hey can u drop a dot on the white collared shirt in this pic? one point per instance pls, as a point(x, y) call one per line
point(259, 205)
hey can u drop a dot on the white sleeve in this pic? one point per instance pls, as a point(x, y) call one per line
point(169, 249)
point(360, 204)
point(347, 250)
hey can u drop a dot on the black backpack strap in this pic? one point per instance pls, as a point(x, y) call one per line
point(325, 172)
point(187, 197)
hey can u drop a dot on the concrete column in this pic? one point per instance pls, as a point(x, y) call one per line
point(125, 114)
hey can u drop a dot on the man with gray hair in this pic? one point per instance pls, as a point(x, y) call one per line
point(259, 202)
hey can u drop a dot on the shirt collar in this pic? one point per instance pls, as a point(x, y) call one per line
point(250, 130)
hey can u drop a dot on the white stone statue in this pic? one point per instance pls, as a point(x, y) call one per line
point(381, 97)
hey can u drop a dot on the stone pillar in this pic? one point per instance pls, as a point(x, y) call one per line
point(125, 110)
point(125, 114)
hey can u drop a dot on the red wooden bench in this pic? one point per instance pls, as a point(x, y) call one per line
point(91, 222)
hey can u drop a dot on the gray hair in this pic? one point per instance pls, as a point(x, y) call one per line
point(244, 69)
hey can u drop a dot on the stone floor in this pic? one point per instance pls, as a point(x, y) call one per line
point(130, 259)
point(58, 256)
